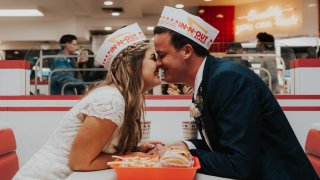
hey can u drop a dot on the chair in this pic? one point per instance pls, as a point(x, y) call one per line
point(9, 164)
point(313, 149)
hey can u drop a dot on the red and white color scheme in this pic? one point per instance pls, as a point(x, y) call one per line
point(305, 75)
point(14, 77)
point(33, 118)
point(117, 41)
point(192, 27)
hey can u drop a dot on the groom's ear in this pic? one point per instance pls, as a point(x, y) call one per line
point(187, 51)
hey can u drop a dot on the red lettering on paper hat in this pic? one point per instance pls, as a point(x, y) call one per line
point(118, 41)
point(191, 26)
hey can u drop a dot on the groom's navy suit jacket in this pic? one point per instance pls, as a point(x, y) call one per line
point(248, 132)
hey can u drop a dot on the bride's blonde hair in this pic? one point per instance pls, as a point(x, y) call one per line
point(126, 74)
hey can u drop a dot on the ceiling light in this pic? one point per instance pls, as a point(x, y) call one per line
point(201, 11)
point(207, 0)
point(179, 6)
point(220, 16)
point(115, 14)
point(20, 12)
point(150, 28)
point(108, 28)
point(108, 3)
point(312, 5)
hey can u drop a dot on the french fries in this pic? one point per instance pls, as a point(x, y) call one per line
point(136, 161)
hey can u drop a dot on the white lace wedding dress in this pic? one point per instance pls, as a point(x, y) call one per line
point(51, 161)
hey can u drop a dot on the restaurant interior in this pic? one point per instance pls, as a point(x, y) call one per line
point(29, 43)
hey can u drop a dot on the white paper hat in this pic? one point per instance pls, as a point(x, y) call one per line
point(193, 27)
point(116, 42)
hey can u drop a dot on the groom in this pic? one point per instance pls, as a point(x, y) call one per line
point(245, 134)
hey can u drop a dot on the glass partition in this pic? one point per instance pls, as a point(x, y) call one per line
point(51, 68)
point(269, 64)
point(273, 67)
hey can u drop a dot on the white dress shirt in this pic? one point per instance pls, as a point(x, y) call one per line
point(197, 83)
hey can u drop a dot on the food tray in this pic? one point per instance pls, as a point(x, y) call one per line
point(157, 173)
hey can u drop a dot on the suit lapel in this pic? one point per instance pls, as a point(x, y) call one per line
point(208, 131)
point(200, 121)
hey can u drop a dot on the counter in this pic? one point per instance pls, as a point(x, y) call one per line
point(110, 174)
point(33, 118)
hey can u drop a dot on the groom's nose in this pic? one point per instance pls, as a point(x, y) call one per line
point(158, 62)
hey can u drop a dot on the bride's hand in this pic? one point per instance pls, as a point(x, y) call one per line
point(148, 146)
point(158, 150)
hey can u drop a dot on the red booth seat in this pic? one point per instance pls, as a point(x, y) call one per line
point(9, 164)
point(313, 148)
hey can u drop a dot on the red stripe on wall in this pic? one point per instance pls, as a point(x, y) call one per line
point(38, 108)
point(167, 108)
point(301, 108)
point(14, 64)
point(292, 64)
point(68, 108)
point(41, 97)
point(285, 108)
point(168, 97)
point(149, 97)
point(306, 63)
point(78, 97)
point(33, 82)
point(3, 109)
point(315, 97)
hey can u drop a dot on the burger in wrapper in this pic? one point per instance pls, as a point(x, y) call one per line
point(176, 156)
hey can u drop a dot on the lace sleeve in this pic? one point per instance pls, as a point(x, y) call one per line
point(106, 107)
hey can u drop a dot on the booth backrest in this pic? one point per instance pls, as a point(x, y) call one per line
point(313, 148)
point(9, 164)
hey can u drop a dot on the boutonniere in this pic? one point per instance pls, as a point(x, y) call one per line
point(194, 111)
point(197, 107)
point(199, 102)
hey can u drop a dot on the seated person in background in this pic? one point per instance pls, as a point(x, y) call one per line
point(107, 120)
point(86, 62)
point(236, 48)
point(68, 45)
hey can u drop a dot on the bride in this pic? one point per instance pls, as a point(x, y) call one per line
point(108, 119)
